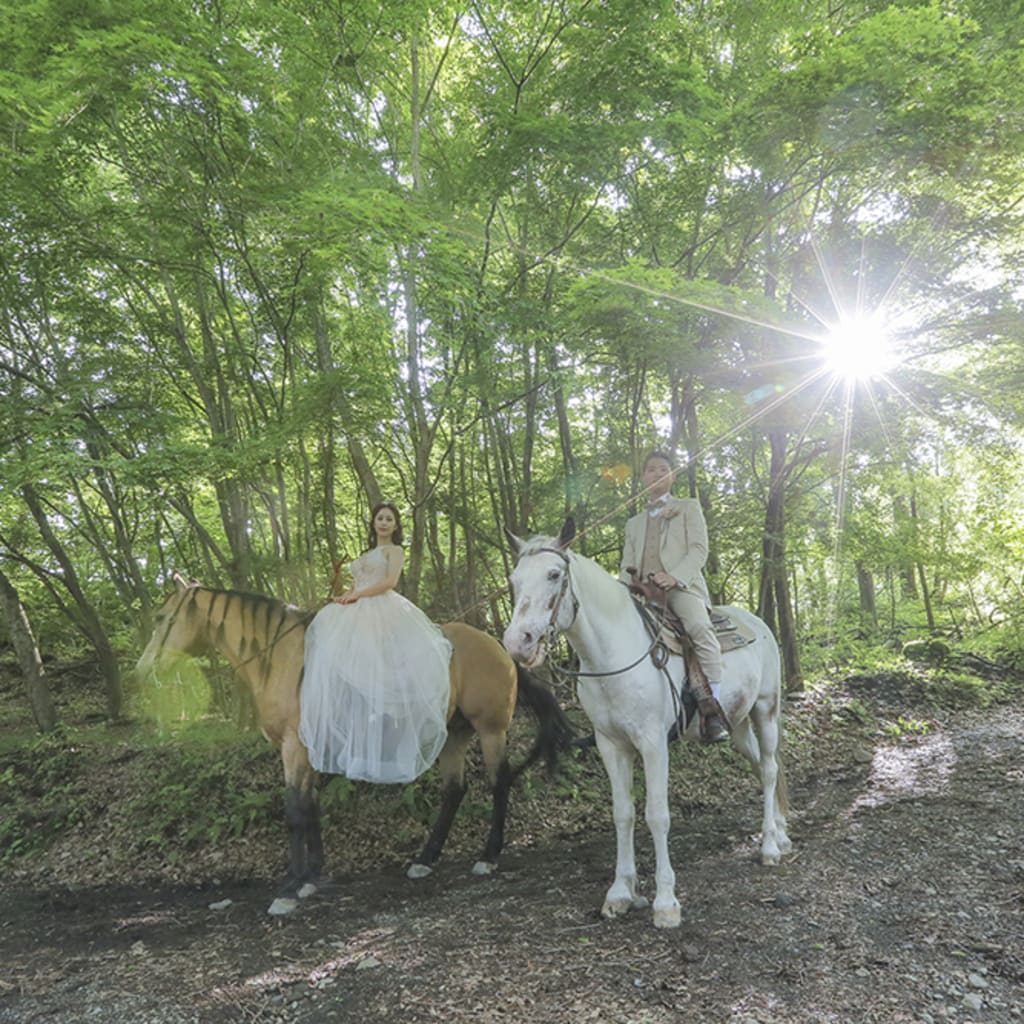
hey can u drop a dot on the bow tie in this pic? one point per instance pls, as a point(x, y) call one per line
point(656, 506)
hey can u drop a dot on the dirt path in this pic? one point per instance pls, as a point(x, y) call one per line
point(903, 903)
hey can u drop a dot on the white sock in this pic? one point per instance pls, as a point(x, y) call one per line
point(715, 687)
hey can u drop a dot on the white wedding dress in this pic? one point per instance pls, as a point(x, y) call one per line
point(375, 687)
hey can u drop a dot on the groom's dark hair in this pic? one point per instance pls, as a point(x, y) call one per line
point(658, 454)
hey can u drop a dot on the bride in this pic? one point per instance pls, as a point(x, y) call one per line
point(375, 687)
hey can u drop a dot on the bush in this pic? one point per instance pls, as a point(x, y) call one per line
point(929, 651)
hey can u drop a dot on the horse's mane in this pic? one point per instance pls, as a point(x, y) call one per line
point(251, 600)
point(537, 544)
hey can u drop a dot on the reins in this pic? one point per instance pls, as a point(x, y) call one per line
point(659, 662)
point(303, 621)
point(658, 652)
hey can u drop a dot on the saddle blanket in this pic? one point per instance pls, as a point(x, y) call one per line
point(731, 634)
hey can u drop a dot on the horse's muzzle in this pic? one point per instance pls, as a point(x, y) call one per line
point(524, 649)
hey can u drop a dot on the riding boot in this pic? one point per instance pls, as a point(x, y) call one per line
point(714, 727)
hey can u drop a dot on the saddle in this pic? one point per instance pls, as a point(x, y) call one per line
point(673, 637)
point(731, 635)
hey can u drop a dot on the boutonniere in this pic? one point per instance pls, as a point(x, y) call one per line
point(669, 513)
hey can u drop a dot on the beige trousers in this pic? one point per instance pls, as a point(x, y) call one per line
point(694, 615)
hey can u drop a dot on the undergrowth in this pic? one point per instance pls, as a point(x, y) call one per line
point(139, 801)
point(43, 794)
point(197, 795)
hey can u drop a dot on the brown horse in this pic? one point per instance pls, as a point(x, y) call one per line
point(264, 640)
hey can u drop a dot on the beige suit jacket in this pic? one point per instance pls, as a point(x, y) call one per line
point(683, 547)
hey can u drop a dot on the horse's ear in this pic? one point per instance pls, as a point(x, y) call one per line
point(179, 581)
point(513, 542)
point(568, 534)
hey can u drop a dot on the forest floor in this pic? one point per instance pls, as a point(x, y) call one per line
point(903, 901)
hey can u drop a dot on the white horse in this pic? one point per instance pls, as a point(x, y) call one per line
point(632, 706)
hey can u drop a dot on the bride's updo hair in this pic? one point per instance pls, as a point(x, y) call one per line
point(396, 537)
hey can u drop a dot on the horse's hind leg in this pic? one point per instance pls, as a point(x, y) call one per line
point(452, 762)
point(769, 728)
point(494, 746)
point(774, 840)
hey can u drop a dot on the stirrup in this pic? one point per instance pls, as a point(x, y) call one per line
point(687, 709)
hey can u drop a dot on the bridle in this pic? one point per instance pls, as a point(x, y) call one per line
point(551, 630)
point(187, 596)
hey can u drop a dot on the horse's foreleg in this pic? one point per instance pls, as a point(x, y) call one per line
point(618, 763)
point(305, 842)
point(494, 746)
point(451, 762)
point(666, 906)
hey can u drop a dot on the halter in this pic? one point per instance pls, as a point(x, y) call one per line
point(551, 631)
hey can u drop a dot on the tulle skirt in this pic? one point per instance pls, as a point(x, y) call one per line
point(375, 690)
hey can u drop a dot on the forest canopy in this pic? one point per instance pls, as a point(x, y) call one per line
point(264, 264)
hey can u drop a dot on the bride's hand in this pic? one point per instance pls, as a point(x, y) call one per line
point(349, 597)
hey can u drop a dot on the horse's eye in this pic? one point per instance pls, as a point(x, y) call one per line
point(555, 575)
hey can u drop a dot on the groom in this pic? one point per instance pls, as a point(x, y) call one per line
point(667, 544)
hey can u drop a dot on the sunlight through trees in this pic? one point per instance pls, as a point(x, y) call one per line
point(266, 263)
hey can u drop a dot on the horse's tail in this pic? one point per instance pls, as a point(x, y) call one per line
point(781, 786)
point(555, 731)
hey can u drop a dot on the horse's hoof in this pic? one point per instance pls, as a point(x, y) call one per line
point(484, 867)
point(307, 890)
point(617, 907)
point(770, 856)
point(418, 871)
point(282, 905)
point(667, 917)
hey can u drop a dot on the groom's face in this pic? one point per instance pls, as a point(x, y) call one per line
point(657, 477)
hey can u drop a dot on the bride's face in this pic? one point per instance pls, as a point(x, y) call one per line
point(384, 523)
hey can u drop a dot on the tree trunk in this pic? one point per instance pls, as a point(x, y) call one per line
point(918, 566)
point(85, 618)
point(420, 431)
point(339, 402)
point(20, 629)
point(771, 543)
point(686, 426)
point(530, 373)
point(926, 597)
point(866, 587)
point(908, 584)
point(574, 501)
point(774, 602)
point(788, 637)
